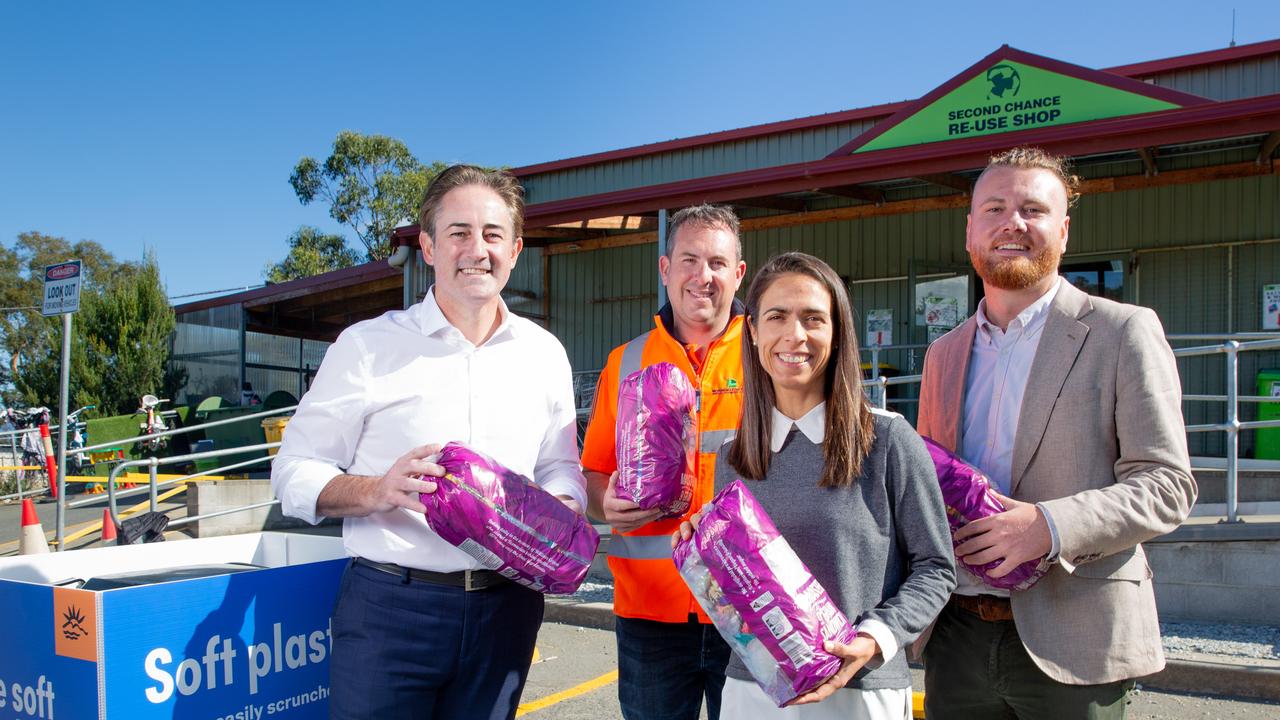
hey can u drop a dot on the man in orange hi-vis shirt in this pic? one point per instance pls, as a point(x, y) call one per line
point(669, 655)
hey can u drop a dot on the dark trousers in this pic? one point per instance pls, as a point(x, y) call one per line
point(666, 669)
point(976, 668)
point(420, 650)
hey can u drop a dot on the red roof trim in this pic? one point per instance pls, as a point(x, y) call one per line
point(1200, 59)
point(1039, 61)
point(875, 111)
point(1133, 70)
point(1201, 122)
point(326, 281)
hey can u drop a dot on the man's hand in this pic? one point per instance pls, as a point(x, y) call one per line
point(1017, 535)
point(855, 655)
point(399, 488)
point(624, 515)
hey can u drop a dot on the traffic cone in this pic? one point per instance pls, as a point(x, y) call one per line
point(108, 529)
point(31, 541)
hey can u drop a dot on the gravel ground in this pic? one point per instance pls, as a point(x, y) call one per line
point(1235, 641)
point(1243, 641)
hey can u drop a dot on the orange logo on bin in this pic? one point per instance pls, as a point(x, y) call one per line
point(75, 624)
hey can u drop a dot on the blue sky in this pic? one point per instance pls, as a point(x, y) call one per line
point(175, 125)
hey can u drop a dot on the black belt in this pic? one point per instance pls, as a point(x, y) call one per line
point(468, 580)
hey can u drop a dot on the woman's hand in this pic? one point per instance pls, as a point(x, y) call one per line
point(855, 655)
point(687, 528)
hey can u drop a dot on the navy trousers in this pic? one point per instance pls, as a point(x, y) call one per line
point(419, 650)
point(665, 670)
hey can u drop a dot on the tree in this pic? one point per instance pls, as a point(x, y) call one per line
point(120, 339)
point(372, 184)
point(25, 336)
point(311, 252)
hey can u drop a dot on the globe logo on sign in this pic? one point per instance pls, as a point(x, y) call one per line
point(1005, 81)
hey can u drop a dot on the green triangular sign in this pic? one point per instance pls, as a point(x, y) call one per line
point(1007, 96)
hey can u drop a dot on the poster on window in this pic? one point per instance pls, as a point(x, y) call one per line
point(879, 328)
point(941, 311)
point(1271, 307)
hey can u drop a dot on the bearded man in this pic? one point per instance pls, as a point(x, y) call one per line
point(1071, 404)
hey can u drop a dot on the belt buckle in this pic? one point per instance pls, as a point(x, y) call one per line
point(992, 611)
point(467, 585)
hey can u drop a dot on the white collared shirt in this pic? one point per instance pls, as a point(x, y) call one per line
point(813, 425)
point(409, 378)
point(999, 365)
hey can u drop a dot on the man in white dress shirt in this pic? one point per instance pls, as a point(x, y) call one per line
point(420, 629)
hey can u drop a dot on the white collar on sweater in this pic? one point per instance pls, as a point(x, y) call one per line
point(813, 425)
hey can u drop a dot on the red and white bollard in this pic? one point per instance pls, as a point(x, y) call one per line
point(50, 462)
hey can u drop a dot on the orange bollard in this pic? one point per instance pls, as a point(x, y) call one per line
point(31, 541)
point(50, 462)
point(108, 529)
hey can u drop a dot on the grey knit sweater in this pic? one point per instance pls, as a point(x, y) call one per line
point(881, 547)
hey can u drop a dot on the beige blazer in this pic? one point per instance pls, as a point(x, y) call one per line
point(1101, 443)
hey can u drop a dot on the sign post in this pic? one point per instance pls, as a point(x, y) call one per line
point(62, 297)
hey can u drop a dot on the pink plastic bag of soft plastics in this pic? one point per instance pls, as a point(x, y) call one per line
point(761, 597)
point(968, 496)
point(655, 439)
point(509, 524)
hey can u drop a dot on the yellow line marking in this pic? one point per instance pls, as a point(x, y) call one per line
point(548, 701)
point(536, 655)
point(917, 705)
point(97, 526)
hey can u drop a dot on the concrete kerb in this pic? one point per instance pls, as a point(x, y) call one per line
point(1179, 675)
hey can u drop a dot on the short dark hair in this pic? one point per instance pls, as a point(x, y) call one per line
point(850, 426)
point(456, 176)
point(1035, 158)
point(704, 215)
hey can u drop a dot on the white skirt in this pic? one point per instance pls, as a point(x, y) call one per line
point(745, 700)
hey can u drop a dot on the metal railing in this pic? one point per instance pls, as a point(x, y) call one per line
point(876, 388)
point(153, 486)
point(1232, 425)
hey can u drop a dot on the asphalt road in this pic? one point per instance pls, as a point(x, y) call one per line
point(11, 517)
point(570, 658)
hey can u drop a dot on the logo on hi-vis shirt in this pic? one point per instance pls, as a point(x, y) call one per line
point(730, 388)
point(75, 620)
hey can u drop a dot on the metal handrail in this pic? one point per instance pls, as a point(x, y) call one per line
point(189, 428)
point(152, 463)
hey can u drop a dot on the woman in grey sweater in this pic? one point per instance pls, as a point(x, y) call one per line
point(851, 488)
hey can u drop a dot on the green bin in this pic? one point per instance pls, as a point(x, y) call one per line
point(1267, 443)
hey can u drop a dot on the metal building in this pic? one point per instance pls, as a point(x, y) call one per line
point(1181, 213)
point(1181, 205)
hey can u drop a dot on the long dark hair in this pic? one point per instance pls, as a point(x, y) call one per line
point(850, 427)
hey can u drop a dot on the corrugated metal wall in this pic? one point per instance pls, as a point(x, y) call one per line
point(603, 298)
point(767, 151)
point(1228, 81)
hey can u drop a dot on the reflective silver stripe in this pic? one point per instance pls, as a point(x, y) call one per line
point(631, 357)
point(713, 439)
point(644, 547)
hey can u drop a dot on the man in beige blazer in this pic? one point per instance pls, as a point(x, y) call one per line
point(1072, 405)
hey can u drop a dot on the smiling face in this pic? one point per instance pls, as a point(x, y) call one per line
point(702, 274)
point(792, 332)
point(473, 249)
point(1017, 228)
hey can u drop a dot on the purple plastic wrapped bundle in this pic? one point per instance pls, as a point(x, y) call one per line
point(509, 524)
point(655, 439)
point(968, 496)
point(761, 597)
